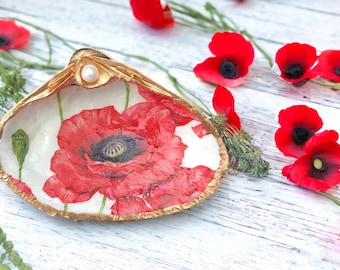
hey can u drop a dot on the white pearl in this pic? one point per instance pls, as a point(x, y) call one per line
point(89, 73)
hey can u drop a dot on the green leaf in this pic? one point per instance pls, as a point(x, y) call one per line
point(20, 144)
point(4, 267)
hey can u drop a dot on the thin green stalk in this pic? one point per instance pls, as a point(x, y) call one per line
point(102, 206)
point(61, 112)
point(328, 84)
point(262, 51)
point(329, 196)
point(49, 46)
point(127, 86)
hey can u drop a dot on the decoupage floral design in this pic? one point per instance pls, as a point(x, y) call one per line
point(133, 158)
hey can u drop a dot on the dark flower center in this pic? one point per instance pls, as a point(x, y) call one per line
point(4, 41)
point(228, 69)
point(337, 71)
point(300, 135)
point(293, 71)
point(117, 148)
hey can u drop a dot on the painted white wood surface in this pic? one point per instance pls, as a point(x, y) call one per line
point(248, 223)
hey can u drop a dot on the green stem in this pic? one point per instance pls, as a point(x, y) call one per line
point(61, 112)
point(127, 87)
point(329, 196)
point(262, 51)
point(328, 84)
point(101, 210)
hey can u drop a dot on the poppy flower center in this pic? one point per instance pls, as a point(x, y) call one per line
point(293, 71)
point(337, 71)
point(318, 165)
point(228, 69)
point(300, 135)
point(4, 41)
point(116, 148)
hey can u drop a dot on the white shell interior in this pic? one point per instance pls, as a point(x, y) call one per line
point(41, 121)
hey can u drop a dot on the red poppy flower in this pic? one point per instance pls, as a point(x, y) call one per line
point(131, 157)
point(152, 13)
point(319, 169)
point(233, 56)
point(224, 104)
point(12, 36)
point(328, 66)
point(295, 61)
point(298, 124)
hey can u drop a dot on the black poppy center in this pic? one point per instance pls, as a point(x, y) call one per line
point(228, 69)
point(293, 71)
point(337, 71)
point(4, 41)
point(300, 135)
point(117, 148)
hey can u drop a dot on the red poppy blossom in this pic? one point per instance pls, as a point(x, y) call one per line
point(319, 169)
point(233, 56)
point(152, 13)
point(328, 66)
point(133, 158)
point(298, 124)
point(12, 36)
point(295, 61)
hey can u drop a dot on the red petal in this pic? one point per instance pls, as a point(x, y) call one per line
point(152, 13)
point(324, 141)
point(232, 46)
point(284, 142)
point(181, 115)
point(328, 64)
point(223, 101)
point(300, 116)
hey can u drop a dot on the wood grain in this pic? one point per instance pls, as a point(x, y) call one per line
point(248, 223)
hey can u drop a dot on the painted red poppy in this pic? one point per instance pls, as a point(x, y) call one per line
point(152, 13)
point(328, 66)
point(298, 124)
point(224, 104)
point(12, 36)
point(295, 61)
point(230, 65)
point(133, 158)
point(319, 168)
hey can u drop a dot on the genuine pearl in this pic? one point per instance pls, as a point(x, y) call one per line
point(89, 73)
